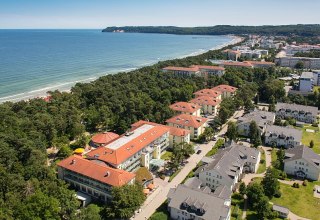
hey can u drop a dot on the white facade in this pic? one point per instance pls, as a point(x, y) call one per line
point(307, 114)
point(303, 168)
point(308, 63)
point(306, 82)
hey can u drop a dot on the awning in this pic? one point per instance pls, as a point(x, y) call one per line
point(146, 191)
point(79, 151)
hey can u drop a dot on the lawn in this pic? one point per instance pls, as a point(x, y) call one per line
point(166, 155)
point(161, 213)
point(308, 136)
point(274, 156)
point(174, 175)
point(262, 165)
point(300, 201)
point(316, 88)
point(215, 148)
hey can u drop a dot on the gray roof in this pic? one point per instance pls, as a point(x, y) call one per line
point(284, 132)
point(207, 206)
point(307, 75)
point(228, 161)
point(302, 152)
point(279, 208)
point(295, 107)
point(262, 118)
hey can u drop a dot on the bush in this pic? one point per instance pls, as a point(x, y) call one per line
point(305, 182)
point(162, 176)
point(235, 211)
point(296, 185)
point(262, 161)
point(277, 194)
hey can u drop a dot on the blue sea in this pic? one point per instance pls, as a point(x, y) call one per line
point(33, 62)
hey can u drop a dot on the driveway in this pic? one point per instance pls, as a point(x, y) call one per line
point(159, 196)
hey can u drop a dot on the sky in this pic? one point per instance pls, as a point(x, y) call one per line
point(186, 13)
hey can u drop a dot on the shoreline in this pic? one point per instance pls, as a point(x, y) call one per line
point(66, 87)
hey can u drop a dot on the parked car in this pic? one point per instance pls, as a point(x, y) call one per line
point(199, 151)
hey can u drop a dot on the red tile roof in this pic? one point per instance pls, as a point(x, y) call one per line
point(104, 138)
point(185, 107)
point(124, 152)
point(209, 67)
point(208, 92)
point(259, 62)
point(173, 131)
point(239, 64)
point(225, 88)
point(206, 100)
point(96, 170)
point(187, 120)
point(174, 68)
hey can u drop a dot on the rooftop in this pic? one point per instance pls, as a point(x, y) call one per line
point(225, 88)
point(128, 144)
point(104, 138)
point(302, 152)
point(262, 118)
point(208, 92)
point(175, 68)
point(206, 100)
point(185, 107)
point(306, 75)
point(97, 171)
point(295, 107)
point(187, 120)
point(285, 132)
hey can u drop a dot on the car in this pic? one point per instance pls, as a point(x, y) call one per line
point(199, 151)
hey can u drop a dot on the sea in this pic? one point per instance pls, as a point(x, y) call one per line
point(33, 62)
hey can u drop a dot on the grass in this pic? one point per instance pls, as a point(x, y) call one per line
point(274, 156)
point(166, 155)
point(262, 166)
point(174, 175)
point(237, 200)
point(316, 88)
point(215, 148)
point(300, 200)
point(161, 213)
point(308, 136)
point(143, 174)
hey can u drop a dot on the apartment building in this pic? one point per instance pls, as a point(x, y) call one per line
point(209, 104)
point(186, 108)
point(196, 70)
point(303, 113)
point(93, 177)
point(226, 166)
point(282, 136)
point(209, 92)
point(308, 63)
point(226, 90)
point(196, 125)
point(134, 148)
point(262, 119)
point(306, 82)
point(302, 162)
point(193, 201)
point(176, 135)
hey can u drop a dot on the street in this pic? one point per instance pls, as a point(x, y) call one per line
point(159, 196)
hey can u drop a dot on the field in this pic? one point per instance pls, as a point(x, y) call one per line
point(300, 201)
point(308, 136)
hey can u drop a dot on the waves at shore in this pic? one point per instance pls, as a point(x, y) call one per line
point(65, 85)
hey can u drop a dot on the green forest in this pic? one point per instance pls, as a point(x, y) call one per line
point(284, 30)
point(29, 188)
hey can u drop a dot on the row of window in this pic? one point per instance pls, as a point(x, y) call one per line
point(301, 163)
point(209, 174)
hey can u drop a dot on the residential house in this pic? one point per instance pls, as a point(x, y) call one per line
point(232, 54)
point(192, 201)
point(282, 211)
point(210, 70)
point(282, 136)
point(308, 62)
point(303, 113)
point(186, 108)
point(226, 90)
point(209, 104)
point(93, 177)
point(208, 92)
point(195, 70)
point(135, 148)
point(262, 119)
point(196, 125)
point(227, 165)
point(302, 162)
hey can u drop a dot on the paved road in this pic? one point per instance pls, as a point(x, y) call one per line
point(160, 195)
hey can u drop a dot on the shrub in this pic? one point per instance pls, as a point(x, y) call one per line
point(235, 211)
point(296, 185)
point(262, 161)
point(162, 176)
point(277, 194)
point(305, 183)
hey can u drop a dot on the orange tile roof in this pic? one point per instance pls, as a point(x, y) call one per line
point(173, 131)
point(185, 107)
point(208, 92)
point(259, 62)
point(187, 120)
point(174, 68)
point(104, 138)
point(121, 154)
point(225, 88)
point(240, 64)
point(208, 67)
point(206, 100)
point(96, 170)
